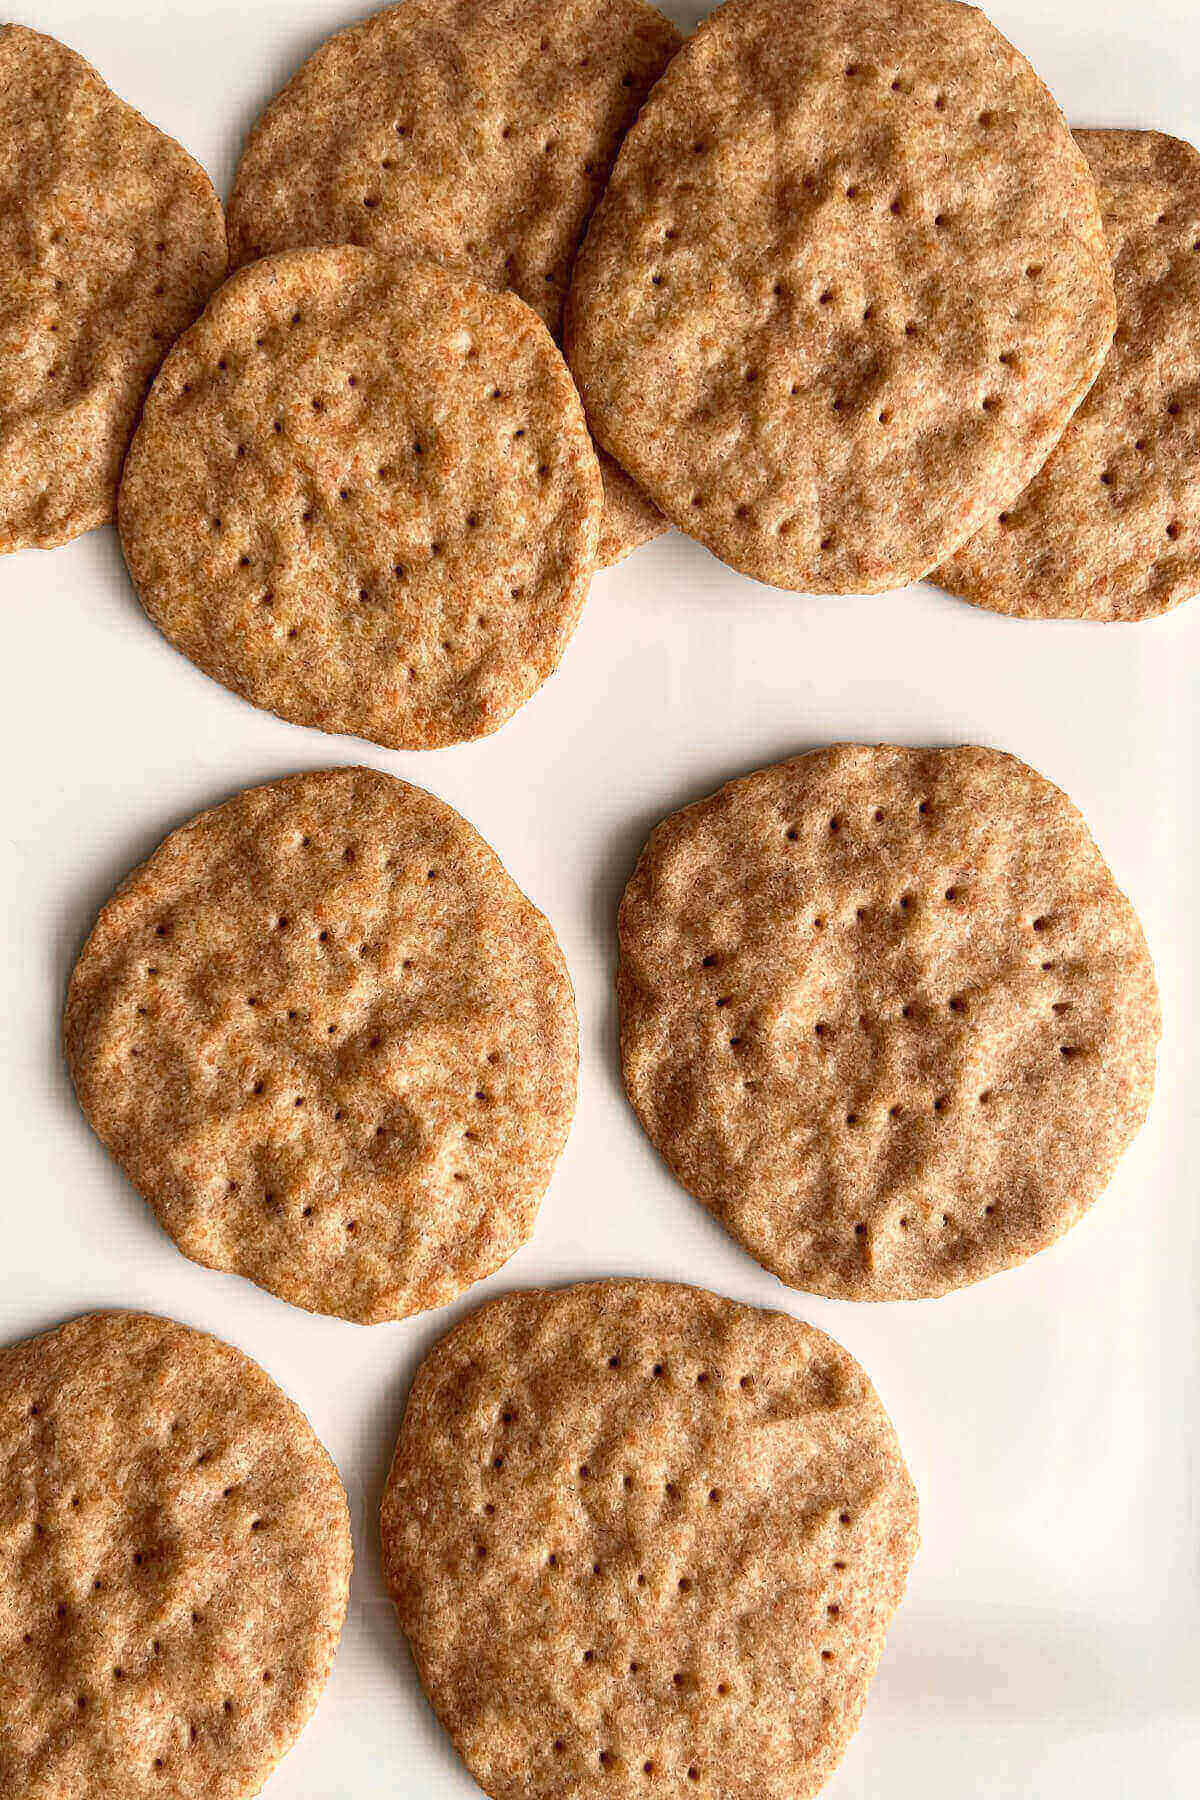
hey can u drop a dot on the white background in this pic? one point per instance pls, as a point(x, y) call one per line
point(1049, 1643)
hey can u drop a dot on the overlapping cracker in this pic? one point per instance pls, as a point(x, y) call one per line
point(844, 290)
point(475, 133)
point(111, 240)
point(363, 495)
point(1110, 528)
point(175, 1571)
point(331, 1043)
point(887, 1014)
point(645, 1541)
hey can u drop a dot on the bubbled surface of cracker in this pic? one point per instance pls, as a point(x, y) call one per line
point(331, 1043)
point(845, 288)
point(1110, 528)
point(363, 495)
point(111, 240)
point(475, 133)
point(644, 1540)
point(887, 1014)
point(175, 1571)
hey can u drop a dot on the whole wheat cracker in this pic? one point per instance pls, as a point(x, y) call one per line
point(331, 1043)
point(844, 290)
point(645, 1540)
point(111, 240)
point(363, 494)
point(1110, 527)
point(475, 133)
point(886, 1014)
point(176, 1568)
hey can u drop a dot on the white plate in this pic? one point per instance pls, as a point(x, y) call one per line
point(1048, 1644)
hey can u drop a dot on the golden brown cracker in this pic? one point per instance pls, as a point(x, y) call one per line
point(363, 495)
point(331, 1043)
point(111, 240)
point(886, 1014)
point(644, 1540)
point(176, 1565)
point(845, 288)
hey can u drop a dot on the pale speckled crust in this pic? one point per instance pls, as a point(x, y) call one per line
point(628, 519)
point(887, 1014)
point(363, 495)
point(477, 133)
point(644, 1540)
point(331, 1043)
point(175, 1565)
point(845, 288)
point(111, 240)
point(1110, 528)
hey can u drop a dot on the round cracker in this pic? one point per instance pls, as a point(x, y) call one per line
point(886, 1014)
point(645, 1540)
point(475, 133)
point(331, 1043)
point(176, 1571)
point(363, 495)
point(111, 240)
point(1110, 528)
point(844, 290)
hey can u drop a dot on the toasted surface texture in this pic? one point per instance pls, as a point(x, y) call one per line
point(1110, 528)
point(887, 1014)
point(176, 1565)
point(844, 290)
point(475, 133)
point(645, 1540)
point(111, 240)
point(331, 1043)
point(363, 495)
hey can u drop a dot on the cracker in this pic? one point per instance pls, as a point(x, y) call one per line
point(845, 288)
point(363, 495)
point(331, 1043)
point(111, 240)
point(886, 1014)
point(475, 133)
point(176, 1568)
point(644, 1540)
point(1110, 527)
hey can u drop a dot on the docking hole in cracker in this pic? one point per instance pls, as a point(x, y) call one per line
point(111, 240)
point(845, 288)
point(363, 495)
point(886, 1013)
point(331, 1043)
point(475, 133)
point(176, 1567)
point(645, 1541)
point(1110, 528)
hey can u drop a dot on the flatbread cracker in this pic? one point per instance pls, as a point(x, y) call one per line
point(475, 133)
point(886, 1014)
point(331, 1043)
point(111, 240)
point(363, 495)
point(176, 1568)
point(844, 290)
point(1110, 528)
point(645, 1541)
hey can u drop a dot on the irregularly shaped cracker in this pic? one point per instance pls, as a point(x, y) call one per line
point(844, 290)
point(1110, 528)
point(175, 1571)
point(645, 1541)
point(475, 133)
point(111, 240)
point(887, 1014)
point(331, 1043)
point(363, 495)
